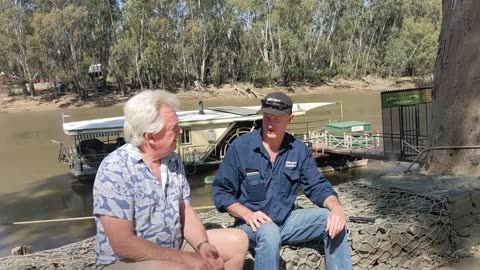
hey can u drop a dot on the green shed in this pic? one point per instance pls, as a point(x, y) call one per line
point(348, 127)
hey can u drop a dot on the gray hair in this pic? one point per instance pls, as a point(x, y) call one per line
point(142, 114)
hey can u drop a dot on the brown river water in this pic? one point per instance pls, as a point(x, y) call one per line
point(35, 186)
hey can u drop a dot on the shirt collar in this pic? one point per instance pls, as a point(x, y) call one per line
point(287, 141)
point(134, 153)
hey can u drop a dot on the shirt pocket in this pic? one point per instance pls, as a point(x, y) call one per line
point(289, 179)
point(254, 186)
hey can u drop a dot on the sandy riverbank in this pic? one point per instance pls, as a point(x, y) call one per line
point(46, 100)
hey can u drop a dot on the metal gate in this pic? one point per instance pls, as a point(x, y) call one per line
point(406, 116)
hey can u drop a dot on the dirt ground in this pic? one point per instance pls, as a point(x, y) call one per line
point(48, 100)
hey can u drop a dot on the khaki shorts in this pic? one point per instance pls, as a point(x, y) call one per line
point(138, 265)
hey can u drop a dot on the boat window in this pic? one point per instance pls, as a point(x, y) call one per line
point(185, 137)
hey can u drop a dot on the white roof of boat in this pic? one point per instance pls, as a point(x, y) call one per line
point(214, 115)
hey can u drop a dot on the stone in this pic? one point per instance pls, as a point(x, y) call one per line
point(415, 230)
point(476, 230)
point(463, 222)
point(475, 196)
point(379, 267)
point(385, 257)
point(465, 232)
point(355, 259)
point(463, 243)
point(476, 208)
point(460, 208)
point(367, 243)
point(369, 229)
point(383, 228)
point(439, 234)
point(21, 250)
point(416, 263)
point(455, 195)
point(404, 240)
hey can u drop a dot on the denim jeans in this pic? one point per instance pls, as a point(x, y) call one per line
point(302, 225)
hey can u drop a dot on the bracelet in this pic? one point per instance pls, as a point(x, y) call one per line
point(201, 244)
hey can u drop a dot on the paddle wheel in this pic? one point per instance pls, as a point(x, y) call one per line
point(234, 134)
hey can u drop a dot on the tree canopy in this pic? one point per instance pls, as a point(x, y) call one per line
point(167, 44)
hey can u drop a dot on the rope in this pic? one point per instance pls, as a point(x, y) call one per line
point(78, 218)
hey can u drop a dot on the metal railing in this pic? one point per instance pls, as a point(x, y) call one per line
point(350, 141)
point(459, 147)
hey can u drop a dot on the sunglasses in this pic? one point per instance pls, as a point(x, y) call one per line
point(275, 105)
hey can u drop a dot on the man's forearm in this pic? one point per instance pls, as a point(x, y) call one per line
point(137, 249)
point(193, 229)
point(126, 244)
point(239, 211)
point(331, 202)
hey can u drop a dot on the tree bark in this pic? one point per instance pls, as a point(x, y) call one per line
point(455, 110)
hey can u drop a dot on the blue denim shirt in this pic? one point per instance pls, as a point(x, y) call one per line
point(125, 188)
point(247, 176)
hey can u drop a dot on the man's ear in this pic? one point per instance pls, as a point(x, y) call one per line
point(148, 137)
point(291, 118)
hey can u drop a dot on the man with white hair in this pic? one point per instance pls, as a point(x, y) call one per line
point(142, 202)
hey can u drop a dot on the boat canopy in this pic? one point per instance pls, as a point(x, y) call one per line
point(214, 115)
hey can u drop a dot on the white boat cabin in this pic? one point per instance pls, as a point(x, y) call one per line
point(205, 138)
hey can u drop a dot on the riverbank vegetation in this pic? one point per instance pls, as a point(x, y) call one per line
point(193, 44)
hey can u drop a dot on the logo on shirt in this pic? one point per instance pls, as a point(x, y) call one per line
point(290, 164)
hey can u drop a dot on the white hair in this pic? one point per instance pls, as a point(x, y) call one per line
point(142, 114)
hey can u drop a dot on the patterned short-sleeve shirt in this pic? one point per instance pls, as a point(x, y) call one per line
point(125, 188)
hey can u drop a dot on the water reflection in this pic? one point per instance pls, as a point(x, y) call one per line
point(51, 198)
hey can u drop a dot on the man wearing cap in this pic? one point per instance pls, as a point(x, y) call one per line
point(258, 183)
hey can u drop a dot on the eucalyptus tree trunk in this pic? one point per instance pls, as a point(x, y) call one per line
point(81, 92)
point(455, 109)
point(19, 29)
point(204, 58)
point(31, 85)
point(138, 73)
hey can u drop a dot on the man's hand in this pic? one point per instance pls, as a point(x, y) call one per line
point(210, 254)
point(256, 219)
point(336, 221)
point(198, 262)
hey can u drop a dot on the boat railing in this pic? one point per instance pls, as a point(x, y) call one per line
point(64, 153)
point(323, 139)
point(198, 154)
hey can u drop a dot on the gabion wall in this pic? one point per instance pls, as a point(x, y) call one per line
point(421, 224)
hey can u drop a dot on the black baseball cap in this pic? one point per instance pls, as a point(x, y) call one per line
point(276, 103)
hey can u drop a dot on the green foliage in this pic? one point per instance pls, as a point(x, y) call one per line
point(166, 44)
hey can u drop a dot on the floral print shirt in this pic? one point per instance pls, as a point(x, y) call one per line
point(125, 188)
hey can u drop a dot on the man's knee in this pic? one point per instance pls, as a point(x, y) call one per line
point(269, 232)
point(237, 238)
point(319, 212)
point(241, 238)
